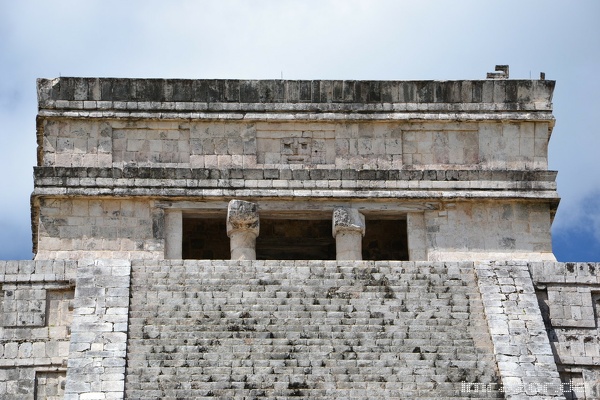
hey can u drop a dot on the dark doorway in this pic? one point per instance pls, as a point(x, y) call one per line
point(205, 239)
point(385, 239)
point(287, 239)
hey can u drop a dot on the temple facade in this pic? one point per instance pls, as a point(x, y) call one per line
point(315, 239)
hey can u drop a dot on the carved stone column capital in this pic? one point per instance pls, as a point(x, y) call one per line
point(348, 219)
point(242, 215)
point(243, 226)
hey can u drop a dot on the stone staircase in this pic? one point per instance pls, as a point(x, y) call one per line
point(308, 329)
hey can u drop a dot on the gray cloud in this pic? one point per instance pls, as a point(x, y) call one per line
point(343, 39)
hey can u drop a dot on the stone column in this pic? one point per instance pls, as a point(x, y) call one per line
point(417, 236)
point(243, 226)
point(348, 231)
point(173, 234)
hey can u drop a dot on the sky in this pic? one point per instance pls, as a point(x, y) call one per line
point(309, 39)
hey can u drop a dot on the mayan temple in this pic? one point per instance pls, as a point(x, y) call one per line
point(250, 239)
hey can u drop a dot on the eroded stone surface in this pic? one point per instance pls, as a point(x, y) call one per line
point(311, 329)
point(458, 169)
point(348, 228)
point(36, 317)
point(243, 226)
point(569, 298)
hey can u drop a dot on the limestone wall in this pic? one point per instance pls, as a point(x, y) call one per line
point(569, 297)
point(252, 144)
point(36, 312)
point(124, 163)
point(489, 230)
point(136, 228)
point(466, 159)
point(99, 228)
point(298, 328)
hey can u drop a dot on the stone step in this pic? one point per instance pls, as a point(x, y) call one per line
point(354, 391)
point(251, 279)
point(259, 331)
point(308, 284)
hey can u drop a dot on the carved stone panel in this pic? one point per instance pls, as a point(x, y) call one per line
point(296, 147)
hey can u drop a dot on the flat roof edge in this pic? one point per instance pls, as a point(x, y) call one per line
point(294, 91)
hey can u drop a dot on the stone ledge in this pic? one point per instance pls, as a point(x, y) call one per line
point(543, 114)
point(580, 273)
point(133, 106)
point(202, 182)
point(28, 271)
point(298, 193)
point(292, 91)
point(293, 174)
point(33, 362)
point(189, 184)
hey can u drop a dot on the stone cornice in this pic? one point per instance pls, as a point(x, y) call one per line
point(276, 96)
point(133, 172)
point(287, 115)
point(315, 183)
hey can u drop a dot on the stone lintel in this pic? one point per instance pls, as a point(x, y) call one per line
point(288, 209)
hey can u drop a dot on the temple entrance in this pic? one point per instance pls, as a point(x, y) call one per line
point(205, 238)
point(385, 239)
point(288, 239)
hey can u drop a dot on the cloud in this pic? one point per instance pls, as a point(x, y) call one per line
point(577, 236)
point(312, 39)
point(16, 240)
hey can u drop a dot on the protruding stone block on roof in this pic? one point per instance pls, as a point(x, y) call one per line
point(501, 72)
